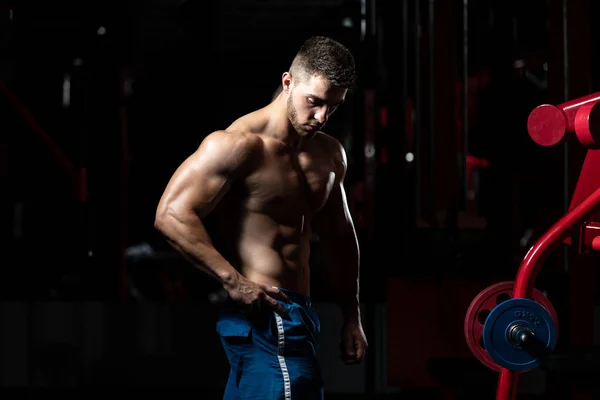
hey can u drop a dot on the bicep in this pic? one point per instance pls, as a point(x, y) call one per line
point(334, 217)
point(198, 183)
point(194, 188)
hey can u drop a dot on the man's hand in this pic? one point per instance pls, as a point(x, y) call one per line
point(354, 342)
point(255, 298)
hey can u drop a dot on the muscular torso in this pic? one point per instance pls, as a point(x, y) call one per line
point(267, 215)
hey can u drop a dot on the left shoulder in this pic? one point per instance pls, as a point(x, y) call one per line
point(335, 152)
point(332, 146)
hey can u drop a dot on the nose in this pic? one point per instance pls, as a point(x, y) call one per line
point(322, 115)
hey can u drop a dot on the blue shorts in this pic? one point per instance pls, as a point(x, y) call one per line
point(272, 358)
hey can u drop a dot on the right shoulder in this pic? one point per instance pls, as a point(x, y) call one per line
point(229, 150)
point(231, 142)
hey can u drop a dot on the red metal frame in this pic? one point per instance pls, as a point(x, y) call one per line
point(549, 125)
point(538, 253)
point(531, 265)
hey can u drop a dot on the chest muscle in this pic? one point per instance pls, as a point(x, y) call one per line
point(289, 185)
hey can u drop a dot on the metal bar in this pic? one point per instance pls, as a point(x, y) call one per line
point(549, 124)
point(431, 27)
point(417, 107)
point(465, 108)
point(123, 116)
point(404, 119)
point(553, 238)
point(508, 383)
point(531, 265)
point(566, 95)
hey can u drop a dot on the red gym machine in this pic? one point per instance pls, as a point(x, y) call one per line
point(512, 327)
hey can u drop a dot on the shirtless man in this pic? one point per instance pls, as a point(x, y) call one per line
point(272, 178)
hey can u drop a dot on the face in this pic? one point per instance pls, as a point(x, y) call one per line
point(311, 103)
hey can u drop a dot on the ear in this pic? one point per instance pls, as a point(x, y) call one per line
point(286, 81)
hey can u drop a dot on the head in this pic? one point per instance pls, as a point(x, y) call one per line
point(320, 76)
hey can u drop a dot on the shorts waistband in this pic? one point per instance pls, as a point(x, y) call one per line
point(297, 297)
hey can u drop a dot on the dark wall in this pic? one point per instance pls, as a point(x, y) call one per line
point(166, 73)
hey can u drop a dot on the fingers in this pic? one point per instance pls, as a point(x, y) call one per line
point(351, 359)
point(361, 350)
point(277, 307)
point(272, 294)
point(353, 351)
point(258, 299)
point(349, 350)
point(277, 294)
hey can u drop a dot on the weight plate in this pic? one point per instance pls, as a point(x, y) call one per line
point(480, 308)
point(523, 315)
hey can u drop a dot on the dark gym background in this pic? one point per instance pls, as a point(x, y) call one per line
point(447, 189)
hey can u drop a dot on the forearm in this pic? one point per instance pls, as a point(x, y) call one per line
point(187, 235)
point(341, 264)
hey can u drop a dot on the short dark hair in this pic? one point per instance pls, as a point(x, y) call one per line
point(326, 57)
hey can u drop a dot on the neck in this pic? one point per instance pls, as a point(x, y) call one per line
point(281, 127)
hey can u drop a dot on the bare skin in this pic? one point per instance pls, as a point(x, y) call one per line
point(272, 178)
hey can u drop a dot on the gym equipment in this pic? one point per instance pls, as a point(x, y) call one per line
point(519, 334)
point(480, 309)
point(514, 329)
point(548, 124)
